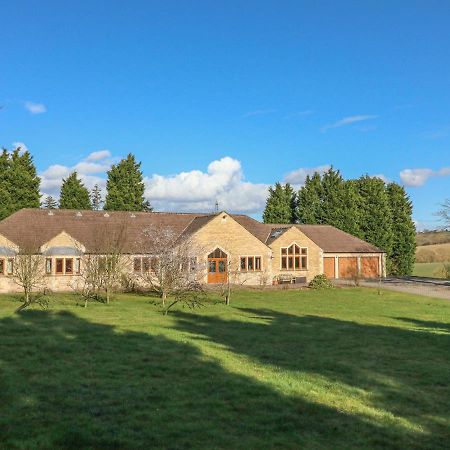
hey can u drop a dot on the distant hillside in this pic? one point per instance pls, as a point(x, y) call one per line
point(433, 253)
point(433, 237)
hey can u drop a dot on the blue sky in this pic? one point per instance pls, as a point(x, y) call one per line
point(220, 99)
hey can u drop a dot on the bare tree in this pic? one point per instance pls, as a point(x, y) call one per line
point(103, 264)
point(234, 279)
point(444, 213)
point(28, 273)
point(173, 271)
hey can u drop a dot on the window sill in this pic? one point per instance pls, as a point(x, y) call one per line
point(294, 270)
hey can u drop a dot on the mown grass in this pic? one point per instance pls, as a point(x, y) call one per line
point(430, 270)
point(338, 369)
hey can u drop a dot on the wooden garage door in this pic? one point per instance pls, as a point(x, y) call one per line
point(370, 266)
point(348, 266)
point(328, 267)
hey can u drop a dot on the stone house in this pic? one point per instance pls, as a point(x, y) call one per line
point(228, 245)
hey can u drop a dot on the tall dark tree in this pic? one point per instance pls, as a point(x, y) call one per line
point(404, 231)
point(280, 204)
point(308, 207)
point(125, 187)
point(376, 214)
point(352, 206)
point(49, 203)
point(19, 183)
point(74, 195)
point(329, 200)
point(96, 198)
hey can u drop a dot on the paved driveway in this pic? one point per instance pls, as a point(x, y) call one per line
point(428, 287)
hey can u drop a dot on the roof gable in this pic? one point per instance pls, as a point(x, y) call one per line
point(63, 240)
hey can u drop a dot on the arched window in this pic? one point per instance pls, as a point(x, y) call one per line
point(294, 258)
point(217, 253)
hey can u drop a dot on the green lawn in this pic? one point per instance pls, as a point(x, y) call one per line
point(428, 270)
point(343, 369)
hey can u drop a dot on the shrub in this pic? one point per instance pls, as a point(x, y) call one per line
point(445, 271)
point(320, 282)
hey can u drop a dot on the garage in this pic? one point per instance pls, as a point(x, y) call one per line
point(370, 266)
point(328, 267)
point(348, 266)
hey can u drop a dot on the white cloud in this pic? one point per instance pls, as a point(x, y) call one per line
point(418, 177)
point(23, 147)
point(97, 156)
point(195, 190)
point(35, 108)
point(259, 112)
point(91, 171)
point(298, 177)
point(198, 191)
point(349, 121)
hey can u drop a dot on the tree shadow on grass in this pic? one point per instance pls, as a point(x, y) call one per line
point(404, 372)
point(427, 325)
point(67, 383)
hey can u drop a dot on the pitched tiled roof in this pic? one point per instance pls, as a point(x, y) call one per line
point(30, 228)
point(333, 240)
point(330, 239)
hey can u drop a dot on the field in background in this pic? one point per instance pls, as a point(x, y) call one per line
point(433, 253)
point(431, 270)
point(433, 249)
point(344, 368)
point(433, 237)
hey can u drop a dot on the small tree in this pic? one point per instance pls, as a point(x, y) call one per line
point(173, 272)
point(49, 203)
point(96, 198)
point(104, 264)
point(28, 273)
point(444, 213)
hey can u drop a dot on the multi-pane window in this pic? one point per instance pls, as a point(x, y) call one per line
point(294, 258)
point(6, 266)
point(145, 264)
point(250, 263)
point(63, 266)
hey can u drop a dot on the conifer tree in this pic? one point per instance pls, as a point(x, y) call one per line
point(96, 198)
point(19, 183)
point(329, 200)
point(74, 195)
point(49, 203)
point(308, 207)
point(376, 215)
point(125, 187)
point(280, 204)
point(404, 231)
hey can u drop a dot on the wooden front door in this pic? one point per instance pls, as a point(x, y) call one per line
point(217, 266)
